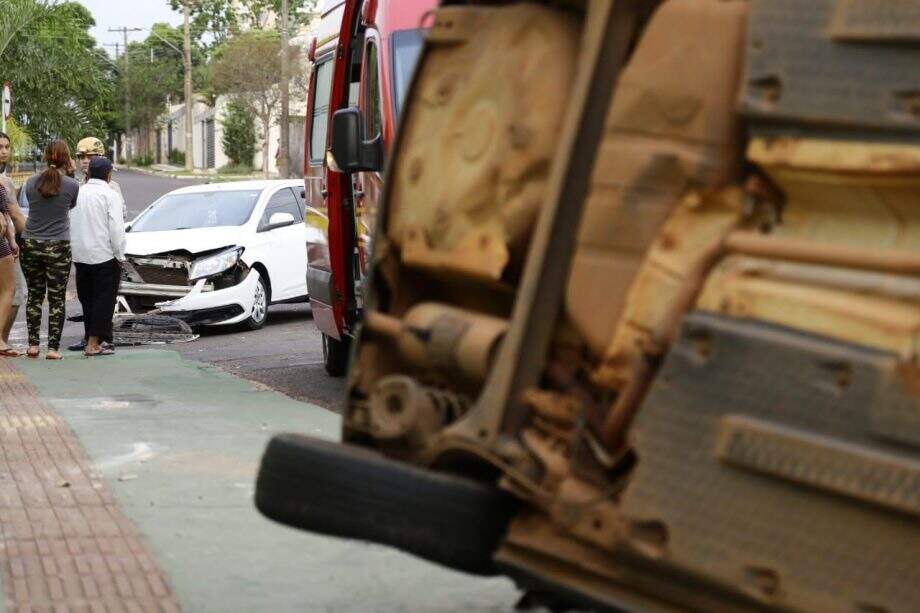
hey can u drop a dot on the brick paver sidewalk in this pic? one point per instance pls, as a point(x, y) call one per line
point(64, 543)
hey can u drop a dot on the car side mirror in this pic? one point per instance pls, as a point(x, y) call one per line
point(280, 220)
point(349, 149)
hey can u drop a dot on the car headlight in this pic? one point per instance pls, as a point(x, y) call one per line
point(214, 264)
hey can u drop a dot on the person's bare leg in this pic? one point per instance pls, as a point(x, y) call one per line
point(7, 287)
point(92, 344)
point(8, 328)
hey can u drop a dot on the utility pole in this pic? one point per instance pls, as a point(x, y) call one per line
point(285, 158)
point(187, 61)
point(115, 64)
point(127, 57)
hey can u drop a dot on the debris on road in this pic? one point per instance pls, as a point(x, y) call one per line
point(150, 329)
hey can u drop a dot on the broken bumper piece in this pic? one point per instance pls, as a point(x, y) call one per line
point(200, 304)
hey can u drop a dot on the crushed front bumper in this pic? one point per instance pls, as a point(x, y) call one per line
point(200, 304)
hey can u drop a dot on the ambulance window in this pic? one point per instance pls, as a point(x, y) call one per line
point(323, 84)
point(407, 47)
point(372, 93)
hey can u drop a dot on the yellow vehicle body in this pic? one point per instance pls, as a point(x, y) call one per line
point(652, 269)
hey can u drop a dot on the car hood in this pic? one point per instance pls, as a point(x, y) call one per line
point(194, 241)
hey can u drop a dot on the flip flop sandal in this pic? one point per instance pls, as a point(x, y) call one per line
point(9, 352)
point(50, 357)
point(103, 351)
point(33, 356)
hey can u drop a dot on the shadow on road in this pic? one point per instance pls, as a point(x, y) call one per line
point(278, 315)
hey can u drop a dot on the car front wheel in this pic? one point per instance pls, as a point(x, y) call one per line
point(259, 312)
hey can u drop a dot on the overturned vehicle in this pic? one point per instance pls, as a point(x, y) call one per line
point(643, 322)
point(218, 254)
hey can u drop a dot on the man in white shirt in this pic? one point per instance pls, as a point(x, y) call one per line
point(97, 241)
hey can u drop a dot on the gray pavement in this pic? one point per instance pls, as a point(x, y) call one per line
point(178, 444)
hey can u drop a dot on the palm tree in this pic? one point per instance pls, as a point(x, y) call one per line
point(17, 15)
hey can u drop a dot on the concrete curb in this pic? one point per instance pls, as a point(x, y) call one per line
point(206, 176)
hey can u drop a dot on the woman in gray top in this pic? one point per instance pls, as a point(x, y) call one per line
point(46, 246)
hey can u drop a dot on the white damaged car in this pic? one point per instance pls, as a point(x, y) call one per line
point(218, 254)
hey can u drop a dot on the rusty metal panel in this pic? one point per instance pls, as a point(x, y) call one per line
point(876, 20)
point(796, 71)
point(848, 314)
point(812, 530)
point(671, 126)
point(482, 136)
point(897, 418)
point(820, 462)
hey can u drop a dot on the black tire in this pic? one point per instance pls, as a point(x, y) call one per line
point(348, 491)
point(258, 318)
point(335, 356)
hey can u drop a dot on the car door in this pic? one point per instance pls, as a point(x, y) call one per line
point(283, 250)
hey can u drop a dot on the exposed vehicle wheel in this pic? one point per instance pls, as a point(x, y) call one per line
point(259, 306)
point(335, 356)
point(349, 491)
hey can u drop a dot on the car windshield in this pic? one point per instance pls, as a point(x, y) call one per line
point(198, 210)
point(407, 45)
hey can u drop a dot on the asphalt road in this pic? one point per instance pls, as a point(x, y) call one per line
point(286, 355)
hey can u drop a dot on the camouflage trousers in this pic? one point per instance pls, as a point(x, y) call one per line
point(46, 266)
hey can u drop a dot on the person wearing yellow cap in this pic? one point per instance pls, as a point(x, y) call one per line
point(89, 148)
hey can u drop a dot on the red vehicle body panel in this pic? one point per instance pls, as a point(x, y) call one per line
point(330, 264)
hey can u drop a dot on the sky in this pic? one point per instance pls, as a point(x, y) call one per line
point(130, 13)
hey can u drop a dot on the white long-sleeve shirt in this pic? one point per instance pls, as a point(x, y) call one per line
point(97, 227)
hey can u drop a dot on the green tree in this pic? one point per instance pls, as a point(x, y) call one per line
point(247, 67)
point(149, 84)
point(222, 19)
point(16, 17)
point(62, 83)
point(151, 72)
point(239, 137)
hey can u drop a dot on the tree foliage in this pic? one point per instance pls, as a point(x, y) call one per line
point(16, 17)
point(248, 67)
point(62, 83)
point(222, 19)
point(151, 73)
point(239, 137)
point(147, 85)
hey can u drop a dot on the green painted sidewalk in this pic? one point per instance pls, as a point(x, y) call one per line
point(179, 445)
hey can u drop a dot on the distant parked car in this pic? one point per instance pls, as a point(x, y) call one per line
point(218, 254)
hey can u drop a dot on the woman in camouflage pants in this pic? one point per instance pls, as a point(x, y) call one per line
point(46, 246)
